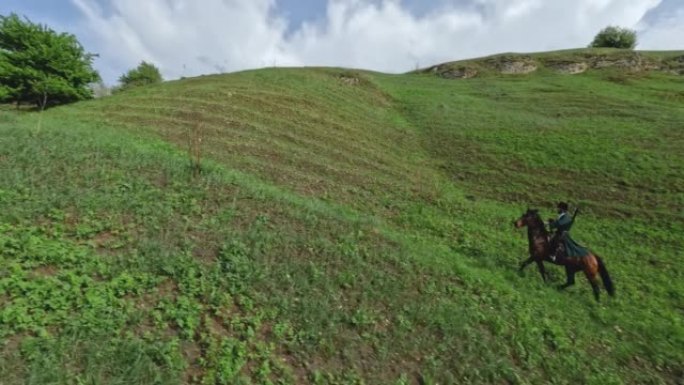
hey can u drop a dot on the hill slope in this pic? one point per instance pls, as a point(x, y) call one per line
point(347, 227)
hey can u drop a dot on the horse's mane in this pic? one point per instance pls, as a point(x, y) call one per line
point(538, 222)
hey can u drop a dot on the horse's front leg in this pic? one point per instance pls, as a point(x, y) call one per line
point(525, 263)
point(542, 270)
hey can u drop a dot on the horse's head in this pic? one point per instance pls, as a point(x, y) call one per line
point(529, 218)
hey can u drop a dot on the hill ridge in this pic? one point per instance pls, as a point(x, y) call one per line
point(563, 62)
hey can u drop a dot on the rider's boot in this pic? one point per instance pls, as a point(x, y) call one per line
point(558, 254)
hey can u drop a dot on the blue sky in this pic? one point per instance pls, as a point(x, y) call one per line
point(64, 11)
point(191, 37)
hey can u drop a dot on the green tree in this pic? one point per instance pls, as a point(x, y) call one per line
point(40, 66)
point(144, 74)
point(615, 37)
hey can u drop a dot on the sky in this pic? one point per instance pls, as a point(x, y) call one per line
point(194, 37)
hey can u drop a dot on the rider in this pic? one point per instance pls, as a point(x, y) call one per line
point(562, 245)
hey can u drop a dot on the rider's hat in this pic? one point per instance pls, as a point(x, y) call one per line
point(563, 206)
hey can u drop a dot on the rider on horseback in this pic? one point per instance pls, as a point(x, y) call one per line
point(562, 245)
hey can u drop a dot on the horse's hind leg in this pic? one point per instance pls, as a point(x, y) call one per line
point(596, 288)
point(570, 273)
point(591, 271)
point(594, 283)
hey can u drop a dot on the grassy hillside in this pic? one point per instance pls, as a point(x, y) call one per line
point(346, 227)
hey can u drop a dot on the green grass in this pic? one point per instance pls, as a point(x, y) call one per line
point(342, 232)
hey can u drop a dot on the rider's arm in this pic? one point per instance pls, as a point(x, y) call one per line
point(562, 221)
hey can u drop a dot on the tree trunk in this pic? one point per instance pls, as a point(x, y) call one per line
point(43, 103)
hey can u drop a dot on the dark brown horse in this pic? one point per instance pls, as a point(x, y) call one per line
point(540, 252)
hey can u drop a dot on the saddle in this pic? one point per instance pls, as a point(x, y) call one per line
point(558, 245)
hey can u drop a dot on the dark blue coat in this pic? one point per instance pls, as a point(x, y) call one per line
point(563, 225)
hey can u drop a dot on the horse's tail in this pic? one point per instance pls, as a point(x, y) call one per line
point(607, 282)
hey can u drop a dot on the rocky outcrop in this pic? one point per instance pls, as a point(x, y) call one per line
point(349, 80)
point(631, 63)
point(569, 68)
point(455, 72)
point(569, 63)
point(675, 65)
point(516, 67)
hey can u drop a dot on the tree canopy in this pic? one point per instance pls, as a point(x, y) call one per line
point(615, 37)
point(40, 66)
point(144, 74)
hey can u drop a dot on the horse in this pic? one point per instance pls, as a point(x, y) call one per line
point(540, 251)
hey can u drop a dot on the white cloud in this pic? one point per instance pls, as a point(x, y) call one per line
point(667, 32)
point(186, 37)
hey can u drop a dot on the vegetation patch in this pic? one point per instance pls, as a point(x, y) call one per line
point(342, 234)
